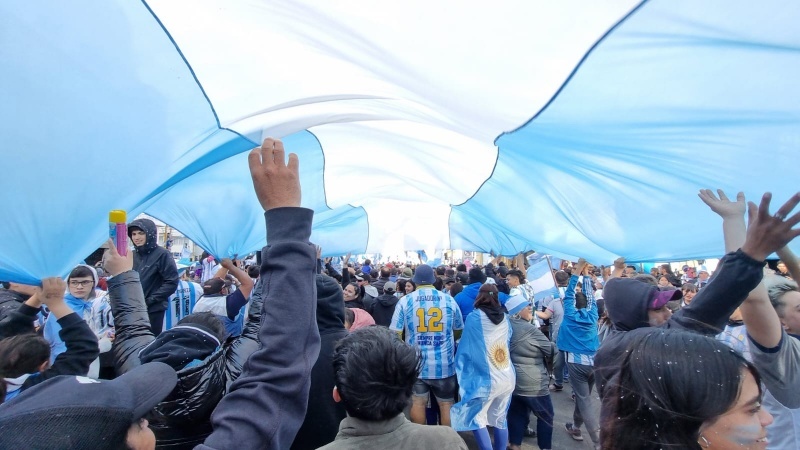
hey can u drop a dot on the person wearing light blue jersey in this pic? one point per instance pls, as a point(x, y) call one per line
point(182, 302)
point(579, 341)
point(430, 320)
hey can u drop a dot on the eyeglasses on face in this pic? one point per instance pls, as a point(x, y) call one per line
point(85, 283)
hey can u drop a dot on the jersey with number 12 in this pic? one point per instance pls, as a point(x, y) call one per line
point(429, 318)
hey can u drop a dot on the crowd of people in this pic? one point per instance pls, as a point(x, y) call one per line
point(291, 352)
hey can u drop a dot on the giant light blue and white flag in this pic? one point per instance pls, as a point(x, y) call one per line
point(592, 117)
point(485, 374)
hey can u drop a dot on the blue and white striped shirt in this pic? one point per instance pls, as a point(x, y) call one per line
point(181, 303)
point(429, 318)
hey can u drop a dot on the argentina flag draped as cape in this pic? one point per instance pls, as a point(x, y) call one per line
point(485, 374)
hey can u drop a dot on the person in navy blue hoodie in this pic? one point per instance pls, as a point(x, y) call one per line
point(266, 405)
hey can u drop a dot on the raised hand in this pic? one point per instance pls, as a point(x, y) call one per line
point(580, 267)
point(769, 233)
point(723, 206)
point(53, 290)
point(114, 263)
point(276, 183)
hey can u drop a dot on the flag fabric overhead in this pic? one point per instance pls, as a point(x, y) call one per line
point(575, 128)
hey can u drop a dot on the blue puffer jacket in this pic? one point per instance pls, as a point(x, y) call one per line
point(466, 298)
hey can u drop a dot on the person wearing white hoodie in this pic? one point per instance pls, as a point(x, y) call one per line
point(86, 300)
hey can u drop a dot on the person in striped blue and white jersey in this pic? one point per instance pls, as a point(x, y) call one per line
point(182, 302)
point(430, 320)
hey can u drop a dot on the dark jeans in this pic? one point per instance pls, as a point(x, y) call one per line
point(156, 322)
point(518, 414)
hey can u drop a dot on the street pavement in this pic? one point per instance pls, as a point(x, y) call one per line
point(563, 407)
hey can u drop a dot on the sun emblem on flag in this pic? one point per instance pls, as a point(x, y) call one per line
point(498, 355)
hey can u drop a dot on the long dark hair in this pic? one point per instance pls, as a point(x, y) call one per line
point(671, 382)
point(487, 296)
point(358, 290)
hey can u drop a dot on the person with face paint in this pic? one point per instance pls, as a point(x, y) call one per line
point(738, 273)
point(708, 398)
point(771, 322)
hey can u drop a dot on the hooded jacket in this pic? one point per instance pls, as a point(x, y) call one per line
point(466, 298)
point(182, 420)
point(323, 415)
point(362, 319)
point(157, 270)
point(627, 304)
point(265, 406)
point(382, 309)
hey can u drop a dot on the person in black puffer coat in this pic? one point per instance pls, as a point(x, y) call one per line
point(382, 309)
point(12, 296)
point(324, 414)
point(206, 366)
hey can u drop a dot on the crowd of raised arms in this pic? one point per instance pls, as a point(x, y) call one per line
point(291, 353)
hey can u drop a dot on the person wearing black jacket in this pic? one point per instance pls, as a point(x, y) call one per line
point(739, 272)
point(25, 356)
point(12, 296)
point(205, 365)
point(157, 270)
point(324, 414)
point(382, 309)
point(266, 405)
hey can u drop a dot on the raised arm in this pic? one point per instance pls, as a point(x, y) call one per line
point(79, 340)
point(267, 404)
point(734, 229)
point(569, 294)
point(741, 270)
point(21, 320)
point(131, 322)
point(246, 285)
point(619, 268)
